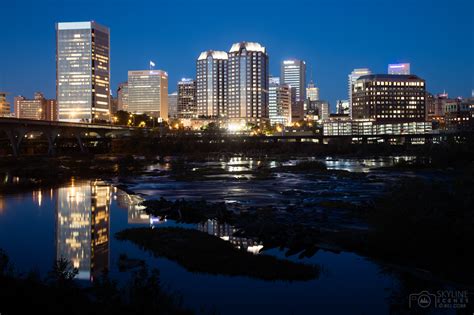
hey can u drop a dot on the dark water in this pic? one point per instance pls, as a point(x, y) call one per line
point(78, 222)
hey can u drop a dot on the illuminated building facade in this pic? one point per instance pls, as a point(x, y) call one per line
point(353, 76)
point(459, 114)
point(187, 106)
point(293, 73)
point(389, 98)
point(368, 127)
point(211, 83)
point(399, 68)
point(4, 105)
point(83, 227)
point(312, 92)
point(83, 71)
point(148, 93)
point(248, 82)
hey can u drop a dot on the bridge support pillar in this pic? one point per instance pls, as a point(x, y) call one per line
point(16, 137)
point(51, 136)
point(81, 144)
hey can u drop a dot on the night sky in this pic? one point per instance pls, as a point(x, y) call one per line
point(436, 37)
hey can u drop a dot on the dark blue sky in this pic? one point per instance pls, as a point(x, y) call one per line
point(436, 37)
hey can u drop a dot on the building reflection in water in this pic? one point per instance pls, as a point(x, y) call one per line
point(226, 232)
point(82, 226)
point(136, 215)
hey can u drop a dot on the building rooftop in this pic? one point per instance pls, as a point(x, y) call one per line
point(391, 77)
point(215, 54)
point(249, 46)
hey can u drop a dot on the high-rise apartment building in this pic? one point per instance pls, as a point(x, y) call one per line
point(248, 82)
point(211, 83)
point(353, 76)
point(4, 105)
point(187, 106)
point(37, 108)
point(122, 96)
point(293, 73)
point(389, 98)
point(148, 92)
point(83, 71)
point(399, 68)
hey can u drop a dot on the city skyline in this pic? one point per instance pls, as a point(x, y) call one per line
point(134, 43)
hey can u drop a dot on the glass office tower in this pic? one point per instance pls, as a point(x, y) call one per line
point(148, 93)
point(83, 71)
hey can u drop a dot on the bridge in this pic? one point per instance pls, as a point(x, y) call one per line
point(17, 130)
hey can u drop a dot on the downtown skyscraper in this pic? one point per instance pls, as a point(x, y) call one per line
point(279, 102)
point(82, 71)
point(248, 82)
point(293, 73)
point(212, 84)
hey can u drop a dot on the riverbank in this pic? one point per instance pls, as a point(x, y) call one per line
point(142, 294)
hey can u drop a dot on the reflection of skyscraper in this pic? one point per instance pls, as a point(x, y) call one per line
point(131, 203)
point(226, 232)
point(82, 230)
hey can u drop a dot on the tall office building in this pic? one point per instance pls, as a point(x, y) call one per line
point(312, 92)
point(122, 96)
point(211, 78)
point(173, 105)
point(389, 98)
point(293, 73)
point(187, 106)
point(83, 71)
point(353, 76)
point(37, 108)
point(279, 102)
point(4, 105)
point(248, 82)
point(148, 93)
point(399, 68)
